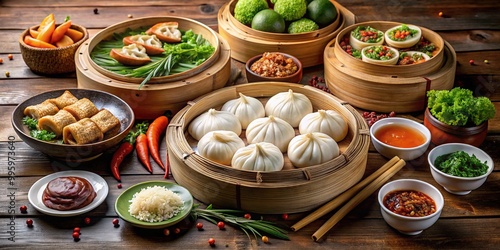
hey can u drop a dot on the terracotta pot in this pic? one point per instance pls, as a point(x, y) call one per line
point(442, 133)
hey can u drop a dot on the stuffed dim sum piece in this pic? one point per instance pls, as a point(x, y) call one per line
point(83, 108)
point(40, 110)
point(151, 43)
point(82, 132)
point(56, 123)
point(107, 123)
point(64, 100)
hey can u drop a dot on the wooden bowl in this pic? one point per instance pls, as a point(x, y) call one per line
point(51, 61)
point(308, 47)
point(254, 77)
point(76, 153)
point(163, 94)
point(298, 189)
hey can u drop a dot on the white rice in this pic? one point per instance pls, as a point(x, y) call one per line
point(155, 204)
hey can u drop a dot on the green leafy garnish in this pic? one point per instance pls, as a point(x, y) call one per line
point(458, 107)
point(257, 228)
point(43, 135)
point(461, 164)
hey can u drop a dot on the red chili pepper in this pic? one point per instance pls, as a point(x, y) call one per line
point(167, 164)
point(154, 132)
point(141, 145)
point(125, 149)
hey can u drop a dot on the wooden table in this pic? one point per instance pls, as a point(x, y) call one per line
point(472, 27)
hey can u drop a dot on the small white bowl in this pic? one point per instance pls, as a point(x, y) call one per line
point(359, 45)
point(411, 54)
point(410, 41)
point(392, 61)
point(454, 184)
point(405, 224)
point(390, 151)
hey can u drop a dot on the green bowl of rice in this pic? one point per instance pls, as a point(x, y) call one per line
point(154, 204)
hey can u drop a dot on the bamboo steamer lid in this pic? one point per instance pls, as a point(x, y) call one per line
point(290, 190)
point(425, 68)
point(162, 94)
point(385, 93)
point(308, 47)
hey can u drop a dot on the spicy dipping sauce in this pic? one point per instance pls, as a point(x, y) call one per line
point(409, 203)
point(398, 135)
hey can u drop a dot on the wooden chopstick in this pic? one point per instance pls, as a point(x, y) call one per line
point(367, 191)
point(342, 198)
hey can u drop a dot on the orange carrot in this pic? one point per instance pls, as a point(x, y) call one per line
point(46, 21)
point(155, 130)
point(46, 33)
point(74, 34)
point(34, 33)
point(65, 41)
point(37, 43)
point(60, 31)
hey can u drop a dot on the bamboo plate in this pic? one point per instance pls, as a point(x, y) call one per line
point(425, 68)
point(153, 100)
point(287, 191)
point(386, 93)
point(184, 24)
point(307, 47)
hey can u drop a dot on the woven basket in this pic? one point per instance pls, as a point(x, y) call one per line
point(287, 191)
point(308, 47)
point(51, 61)
point(168, 93)
point(382, 88)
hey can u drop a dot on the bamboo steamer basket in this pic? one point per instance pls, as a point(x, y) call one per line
point(161, 94)
point(290, 190)
point(401, 91)
point(427, 67)
point(308, 47)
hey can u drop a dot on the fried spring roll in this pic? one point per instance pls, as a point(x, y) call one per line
point(107, 122)
point(64, 100)
point(40, 110)
point(82, 132)
point(56, 123)
point(83, 108)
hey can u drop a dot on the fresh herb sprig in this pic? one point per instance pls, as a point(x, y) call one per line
point(43, 135)
point(234, 217)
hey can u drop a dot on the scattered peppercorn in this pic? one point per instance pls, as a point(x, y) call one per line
point(1, 61)
point(116, 222)
point(471, 62)
point(221, 225)
point(96, 11)
point(10, 56)
point(440, 14)
point(29, 222)
point(7, 73)
point(76, 230)
point(24, 209)
point(372, 117)
point(119, 185)
point(177, 230)
point(130, 16)
point(248, 216)
point(87, 220)
point(486, 61)
point(76, 236)
point(284, 216)
point(211, 242)
point(265, 239)
point(166, 232)
point(199, 226)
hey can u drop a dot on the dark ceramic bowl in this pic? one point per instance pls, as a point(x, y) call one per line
point(76, 153)
point(253, 77)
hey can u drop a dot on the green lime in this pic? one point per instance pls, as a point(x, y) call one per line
point(268, 20)
point(323, 12)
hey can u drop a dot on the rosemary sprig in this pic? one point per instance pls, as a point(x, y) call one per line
point(257, 228)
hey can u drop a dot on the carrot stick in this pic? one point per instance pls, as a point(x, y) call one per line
point(154, 132)
point(60, 31)
point(74, 34)
point(37, 43)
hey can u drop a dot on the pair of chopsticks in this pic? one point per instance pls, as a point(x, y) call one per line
point(353, 196)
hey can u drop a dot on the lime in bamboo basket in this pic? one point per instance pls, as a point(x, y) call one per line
point(290, 190)
point(386, 88)
point(160, 94)
point(308, 47)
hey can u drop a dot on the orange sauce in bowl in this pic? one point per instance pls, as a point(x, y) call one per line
point(400, 136)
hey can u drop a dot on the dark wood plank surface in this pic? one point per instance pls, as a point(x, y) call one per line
point(472, 27)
